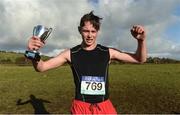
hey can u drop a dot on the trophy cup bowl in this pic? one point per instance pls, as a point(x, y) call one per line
point(42, 33)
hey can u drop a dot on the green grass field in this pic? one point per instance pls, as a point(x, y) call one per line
point(141, 89)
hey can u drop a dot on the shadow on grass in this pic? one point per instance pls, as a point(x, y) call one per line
point(174, 112)
point(37, 103)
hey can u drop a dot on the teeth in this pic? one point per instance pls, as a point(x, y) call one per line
point(89, 39)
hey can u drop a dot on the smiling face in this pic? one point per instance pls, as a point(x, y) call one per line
point(89, 34)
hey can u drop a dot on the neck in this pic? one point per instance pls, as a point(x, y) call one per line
point(88, 47)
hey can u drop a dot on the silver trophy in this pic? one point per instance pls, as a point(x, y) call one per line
point(42, 33)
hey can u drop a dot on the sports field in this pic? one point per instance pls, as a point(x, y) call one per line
point(147, 88)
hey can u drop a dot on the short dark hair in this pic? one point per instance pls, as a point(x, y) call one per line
point(94, 20)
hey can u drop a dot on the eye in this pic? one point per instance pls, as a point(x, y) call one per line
point(85, 30)
point(93, 31)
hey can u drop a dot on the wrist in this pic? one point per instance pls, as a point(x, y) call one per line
point(32, 55)
point(141, 40)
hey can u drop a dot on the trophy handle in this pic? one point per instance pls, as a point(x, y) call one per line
point(34, 30)
point(49, 32)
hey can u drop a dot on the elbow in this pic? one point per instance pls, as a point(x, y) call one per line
point(39, 70)
point(39, 67)
point(141, 61)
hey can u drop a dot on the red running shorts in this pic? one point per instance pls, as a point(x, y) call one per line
point(80, 107)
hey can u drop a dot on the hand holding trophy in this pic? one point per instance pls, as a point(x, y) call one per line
point(42, 33)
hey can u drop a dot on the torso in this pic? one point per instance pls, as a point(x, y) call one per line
point(90, 71)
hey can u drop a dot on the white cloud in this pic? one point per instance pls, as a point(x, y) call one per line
point(156, 15)
point(18, 17)
point(53, 53)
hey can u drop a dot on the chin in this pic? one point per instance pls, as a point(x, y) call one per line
point(89, 44)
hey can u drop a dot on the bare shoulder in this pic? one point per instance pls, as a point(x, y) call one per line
point(65, 54)
point(114, 52)
point(66, 51)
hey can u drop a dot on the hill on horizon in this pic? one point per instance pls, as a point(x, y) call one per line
point(15, 58)
point(9, 57)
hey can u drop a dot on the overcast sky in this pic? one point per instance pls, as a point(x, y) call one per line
point(161, 19)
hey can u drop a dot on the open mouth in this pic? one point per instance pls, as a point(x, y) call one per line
point(89, 40)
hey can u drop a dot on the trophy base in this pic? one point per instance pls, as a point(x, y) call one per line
point(32, 55)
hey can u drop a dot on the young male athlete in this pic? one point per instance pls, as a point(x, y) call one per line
point(89, 62)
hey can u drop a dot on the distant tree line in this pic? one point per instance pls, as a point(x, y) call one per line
point(18, 61)
point(154, 60)
point(15, 58)
point(157, 60)
point(21, 60)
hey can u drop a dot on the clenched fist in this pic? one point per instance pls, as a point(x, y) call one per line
point(35, 43)
point(138, 32)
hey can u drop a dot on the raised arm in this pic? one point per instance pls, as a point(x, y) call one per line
point(57, 61)
point(139, 33)
point(40, 66)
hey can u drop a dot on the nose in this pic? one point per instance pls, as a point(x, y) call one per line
point(89, 34)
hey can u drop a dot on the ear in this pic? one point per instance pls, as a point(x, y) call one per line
point(79, 29)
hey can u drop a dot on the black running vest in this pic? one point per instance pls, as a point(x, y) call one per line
point(90, 71)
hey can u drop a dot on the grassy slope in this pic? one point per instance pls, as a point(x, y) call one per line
point(13, 56)
point(133, 88)
point(9, 55)
point(146, 88)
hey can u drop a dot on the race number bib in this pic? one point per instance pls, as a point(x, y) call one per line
point(93, 85)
